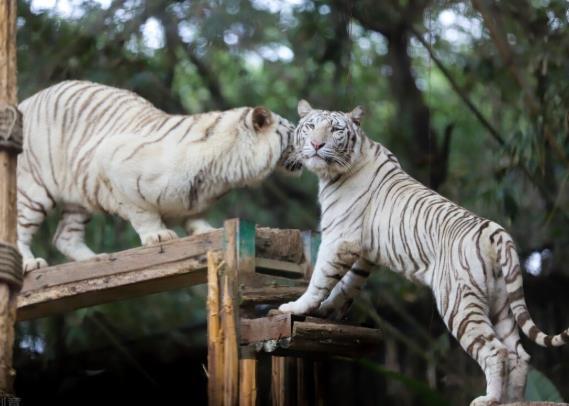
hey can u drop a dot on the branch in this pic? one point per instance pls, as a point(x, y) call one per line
point(493, 23)
point(457, 89)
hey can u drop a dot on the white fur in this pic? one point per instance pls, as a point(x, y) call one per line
point(375, 213)
point(94, 148)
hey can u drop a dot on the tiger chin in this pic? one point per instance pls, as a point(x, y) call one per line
point(94, 148)
point(374, 213)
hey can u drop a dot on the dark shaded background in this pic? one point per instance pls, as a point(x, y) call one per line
point(471, 95)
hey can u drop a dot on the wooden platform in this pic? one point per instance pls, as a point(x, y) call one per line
point(248, 270)
point(290, 335)
point(144, 270)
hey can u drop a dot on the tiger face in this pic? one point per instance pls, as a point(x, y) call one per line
point(328, 142)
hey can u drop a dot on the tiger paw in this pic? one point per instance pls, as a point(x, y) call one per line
point(298, 307)
point(485, 401)
point(158, 237)
point(33, 264)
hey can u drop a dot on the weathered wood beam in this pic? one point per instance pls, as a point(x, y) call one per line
point(10, 143)
point(139, 271)
point(285, 334)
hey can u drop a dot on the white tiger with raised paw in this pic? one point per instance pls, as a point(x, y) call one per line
point(375, 213)
point(90, 148)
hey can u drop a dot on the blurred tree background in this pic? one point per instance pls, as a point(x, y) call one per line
point(471, 95)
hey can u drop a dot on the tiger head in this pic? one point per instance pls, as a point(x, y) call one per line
point(328, 142)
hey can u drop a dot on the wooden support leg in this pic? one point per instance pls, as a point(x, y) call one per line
point(10, 143)
point(214, 334)
point(248, 380)
point(283, 381)
point(239, 256)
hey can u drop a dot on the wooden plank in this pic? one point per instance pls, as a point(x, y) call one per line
point(335, 333)
point(280, 268)
point(139, 271)
point(284, 334)
point(214, 334)
point(8, 94)
point(266, 328)
point(271, 294)
point(134, 272)
point(164, 255)
point(283, 244)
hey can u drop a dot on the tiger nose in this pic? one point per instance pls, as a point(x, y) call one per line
point(317, 145)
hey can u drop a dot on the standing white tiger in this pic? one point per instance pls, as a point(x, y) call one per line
point(375, 213)
point(95, 148)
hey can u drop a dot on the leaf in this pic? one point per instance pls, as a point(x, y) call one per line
point(428, 396)
point(540, 388)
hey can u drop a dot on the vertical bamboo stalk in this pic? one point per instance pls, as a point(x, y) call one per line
point(214, 335)
point(248, 381)
point(230, 348)
point(8, 12)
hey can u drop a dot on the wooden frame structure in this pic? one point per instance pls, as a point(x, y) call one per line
point(248, 270)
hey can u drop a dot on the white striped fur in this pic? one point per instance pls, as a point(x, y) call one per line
point(95, 148)
point(373, 213)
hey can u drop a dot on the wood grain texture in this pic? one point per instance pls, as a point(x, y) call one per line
point(172, 265)
point(135, 272)
point(285, 334)
point(8, 92)
point(214, 333)
point(248, 381)
point(230, 314)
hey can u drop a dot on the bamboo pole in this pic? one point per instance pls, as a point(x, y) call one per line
point(8, 96)
point(248, 381)
point(214, 334)
point(230, 348)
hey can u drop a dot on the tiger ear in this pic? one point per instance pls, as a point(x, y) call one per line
point(357, 114)
point(303, 108)
point(261, 118)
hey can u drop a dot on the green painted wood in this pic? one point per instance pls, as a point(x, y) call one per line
point(311, 245)
point(246, 234)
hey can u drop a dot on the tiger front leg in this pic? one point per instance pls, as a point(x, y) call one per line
point(149, 226)
point(332, 264)
point(337, 305)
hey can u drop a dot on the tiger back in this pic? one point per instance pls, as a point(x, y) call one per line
point(90, 148)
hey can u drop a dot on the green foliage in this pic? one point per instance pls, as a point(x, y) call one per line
point(215, 54)
point(425, 395)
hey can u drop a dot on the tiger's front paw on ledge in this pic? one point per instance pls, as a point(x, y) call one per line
point(298, 307)
point(33, 264)
point(158, 237)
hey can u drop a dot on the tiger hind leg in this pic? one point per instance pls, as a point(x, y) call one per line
point(342, 296)
point(473, 329)
point(518, 359)
point(33, 205)
point(69, 237)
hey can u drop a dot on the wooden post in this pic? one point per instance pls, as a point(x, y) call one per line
point(10, 145)
point(307, 375)
point(239, 245)
point(214, 334)
point(282, 381)
point(248, 380)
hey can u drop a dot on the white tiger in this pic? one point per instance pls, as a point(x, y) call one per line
point(375, 213)
point(91, 148)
